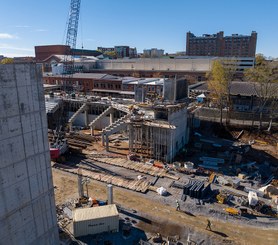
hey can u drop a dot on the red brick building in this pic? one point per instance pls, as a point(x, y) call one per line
point(219, 45)
point(86, 82)
point(104, 84)
point(45, 51)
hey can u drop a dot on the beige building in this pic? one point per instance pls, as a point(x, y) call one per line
point(90, 221)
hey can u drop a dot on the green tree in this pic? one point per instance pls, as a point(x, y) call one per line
point(264, 76)
point(112, 54)
point(219, 79)
point(7, 61)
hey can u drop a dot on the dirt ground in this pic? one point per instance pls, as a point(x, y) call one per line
point(164, 218)
point(267, 143)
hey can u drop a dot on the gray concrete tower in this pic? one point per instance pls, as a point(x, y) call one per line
point(27, 207)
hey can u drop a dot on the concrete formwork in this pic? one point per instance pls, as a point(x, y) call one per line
point(162, 138)
point(27, 207)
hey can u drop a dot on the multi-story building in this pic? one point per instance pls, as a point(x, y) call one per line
point(121, 51)
point(153, 53)
point(44, 52)
point(103, 49)
point(132, 53)
point(47, 55)
point(219, 45)
point(27, 207)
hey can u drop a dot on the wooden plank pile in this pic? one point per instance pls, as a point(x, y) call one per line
point(135, 185)
point(136, 166)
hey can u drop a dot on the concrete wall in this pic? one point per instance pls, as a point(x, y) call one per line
point(174, 90)
point(179, 135)
point(27, 207)
point(157, 64)
point(80, 120)
point(197, 64)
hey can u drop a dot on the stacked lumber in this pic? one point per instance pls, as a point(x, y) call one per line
point(136, 166)
point(135, 185)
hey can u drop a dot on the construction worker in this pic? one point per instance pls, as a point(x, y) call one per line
point(178, 206)
point(208, 225)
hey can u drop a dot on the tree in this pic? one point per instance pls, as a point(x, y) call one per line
point(7, 61)
point(219, 79)
point(264, 76)
point(111, 54)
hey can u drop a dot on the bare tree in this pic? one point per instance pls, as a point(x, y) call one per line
point(265, 81)
point(219, 80)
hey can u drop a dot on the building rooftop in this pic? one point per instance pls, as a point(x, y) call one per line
point(82, 214)
point(114, 91)
point(145, 81)
point(87, 76)
point(76, 58)
point(243, 88)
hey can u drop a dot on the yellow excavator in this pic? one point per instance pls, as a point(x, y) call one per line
point(232, 211)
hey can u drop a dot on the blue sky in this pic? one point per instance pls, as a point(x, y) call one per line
point(137, 23)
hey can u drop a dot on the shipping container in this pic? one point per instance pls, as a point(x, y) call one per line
point(95, 220)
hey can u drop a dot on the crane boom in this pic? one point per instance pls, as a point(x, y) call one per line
point(73, 23)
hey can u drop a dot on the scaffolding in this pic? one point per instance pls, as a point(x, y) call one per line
point(151, 141)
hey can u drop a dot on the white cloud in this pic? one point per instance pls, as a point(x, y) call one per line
point(17, 52)
point(41, 30)
point(8, 47)
point(7, 36)
point(11, 55)
point(22, 26)
point(89, 39)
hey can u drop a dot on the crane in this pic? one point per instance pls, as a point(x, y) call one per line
point(72, 28)
point(73, 23)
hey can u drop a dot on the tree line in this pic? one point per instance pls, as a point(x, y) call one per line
point(264, 79)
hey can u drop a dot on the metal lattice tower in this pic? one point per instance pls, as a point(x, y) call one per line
point(73, 23)
point(71, 36)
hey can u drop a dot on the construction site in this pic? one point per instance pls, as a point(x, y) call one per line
point(139, 168)
point(155, 158)
point(127, 172)
point(136, 169)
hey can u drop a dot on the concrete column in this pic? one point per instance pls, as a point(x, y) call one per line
point(102, 139)
point(131, 137)
point(110, 194)
point(92, 130)
point(107, 142)
point(111, 117)
point(70, 127)
point(86, 118)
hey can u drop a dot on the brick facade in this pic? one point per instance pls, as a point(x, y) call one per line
point(220, 45)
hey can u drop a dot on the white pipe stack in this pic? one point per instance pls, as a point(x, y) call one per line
point(110, 194)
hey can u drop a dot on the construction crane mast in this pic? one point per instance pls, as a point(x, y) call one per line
point(73, 23)
point(72, 29)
